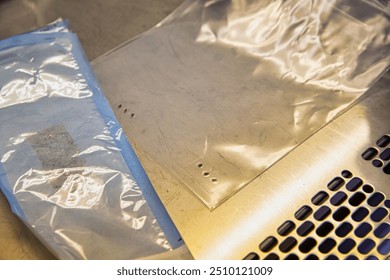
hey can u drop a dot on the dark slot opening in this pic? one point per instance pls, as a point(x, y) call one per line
point(336, 183)
point(272, 256)
point(357, 199)
point(327, 245)
point(324, 229)
point(343, 229)
point(347, 245)
point(383, 141)
point(319, 198)
point(341, 213)
point(312, 257)
point(385, 155)
point(288, 244)
point(354, 184)
point(370, 153)
point(292, 257)
point(366, 246)
point(269, 243)
point(360, 214)
point(286, 228)
point(303, 213)
point(305, 228)
point(338, 198)
point(363, 229)
point(307, 245)
point(379, 214)
point(382, 230)
point(322, 213)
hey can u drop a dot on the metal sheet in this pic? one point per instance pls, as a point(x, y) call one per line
point(239, 225)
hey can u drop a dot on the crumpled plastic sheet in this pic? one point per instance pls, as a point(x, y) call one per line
point(64, 160)
point(222, 89)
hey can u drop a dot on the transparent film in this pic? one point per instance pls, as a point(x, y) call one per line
point(221, 90)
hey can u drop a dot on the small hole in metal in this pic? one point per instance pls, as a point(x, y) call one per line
point(292, 257)
point(368, 189)
point(341, 213)
point(319, 198)
point(338, 198)
point(206, 173)
point(370, 153)
point(386, 169)
point(351, 258)
point(387, 203)
point(343, 229)
point(377, 163)
point(252, 256)
point(379, 214)
point(384, 247)
point(286, 228)
point(354, 184)
point(324, 229)
point(366, 246)
point(308, 244)
point(303, 212)
point(312, 257)
point(125, 111)
point(372, 258)
point(360, 214)
point(327, 245)
point(346, 174)
point(214, 180)
point(272, 256)
point(383, 141)
point(119, 106)
point(385, 155)
point(331, 258)
point(305, 228)
point(132, 115)
point(199, 165)
point(268, 244)
point(288, 244)
point(363, 229)
point(375, 199)
point(347, 245)
point(336, 183)
point(322, 213)
point(382, 230)
point(357, 199)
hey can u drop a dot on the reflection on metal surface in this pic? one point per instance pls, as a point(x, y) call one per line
point(221, 90)
point(237, 228)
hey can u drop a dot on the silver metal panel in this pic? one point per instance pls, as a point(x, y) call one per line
point(238, 226)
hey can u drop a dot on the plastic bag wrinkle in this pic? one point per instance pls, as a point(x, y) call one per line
point(222, 90)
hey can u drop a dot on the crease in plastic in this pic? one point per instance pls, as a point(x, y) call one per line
point(222, 89)
point(66, 168)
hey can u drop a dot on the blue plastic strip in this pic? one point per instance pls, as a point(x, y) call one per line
point(4, 182)
point(127, 152)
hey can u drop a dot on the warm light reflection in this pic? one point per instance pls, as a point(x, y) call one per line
point(285, 192)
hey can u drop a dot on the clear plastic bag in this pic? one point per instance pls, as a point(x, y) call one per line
point(64, 160)
point(221, 90)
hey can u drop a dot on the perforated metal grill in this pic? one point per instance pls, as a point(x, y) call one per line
point(348, 219)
